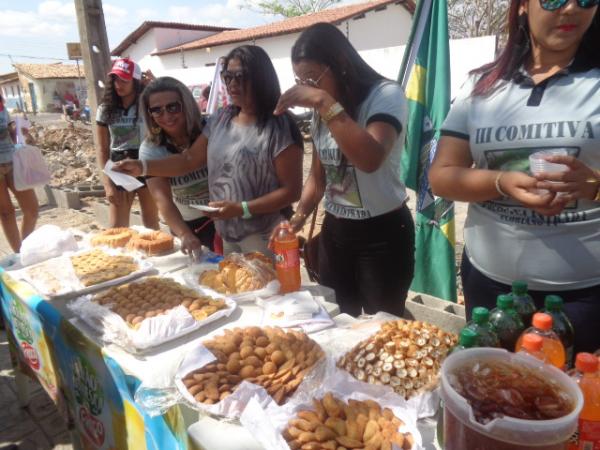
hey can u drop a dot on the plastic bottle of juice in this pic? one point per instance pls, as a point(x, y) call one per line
point(466, 339)
point(287, 258)
point(480, 324)
point(553, 305)
point(523, 301)
point(553, 347)
point(506, 321)
point(586, 375)
point(532, 345)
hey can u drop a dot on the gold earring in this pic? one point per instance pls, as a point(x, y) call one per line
point(156, 130)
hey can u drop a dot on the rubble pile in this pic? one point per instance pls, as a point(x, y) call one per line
point(69, 153)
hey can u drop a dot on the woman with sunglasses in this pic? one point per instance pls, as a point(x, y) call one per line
point(120, 132)
point(367, 241)
point(174, 122)
point(254, 159)
point(540, 94)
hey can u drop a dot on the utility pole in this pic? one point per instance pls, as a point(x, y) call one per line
point(95, 51)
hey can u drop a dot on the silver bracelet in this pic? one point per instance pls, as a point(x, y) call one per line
point(497, 184)
point(144, 167)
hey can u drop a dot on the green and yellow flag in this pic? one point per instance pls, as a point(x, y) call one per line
point(425, 76)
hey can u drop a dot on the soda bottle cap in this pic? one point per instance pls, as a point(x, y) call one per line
point(467, 337)
point(553, 302)
point(542, 321)
point(532, 342)
point(586, 362)
point(480, 315)
point(505, 302)
point(519, 287)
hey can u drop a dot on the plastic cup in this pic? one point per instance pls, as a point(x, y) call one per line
point(539, 164)
point(463, 432)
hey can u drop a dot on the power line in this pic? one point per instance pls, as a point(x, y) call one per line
point(10, 56)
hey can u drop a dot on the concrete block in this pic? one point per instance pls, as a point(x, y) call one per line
point(43, 194)
point(444, 314)
point(65, 198)
point(86, 190)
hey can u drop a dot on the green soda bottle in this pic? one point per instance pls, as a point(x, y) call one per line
point(480, 324)
point(506, 321)
point(466, 339)
point(553, 305)
point(523, 302)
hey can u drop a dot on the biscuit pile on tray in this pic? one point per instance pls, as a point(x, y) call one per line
point(151, 297)
point(333, 424)
point(269, 357)
point(404, 354)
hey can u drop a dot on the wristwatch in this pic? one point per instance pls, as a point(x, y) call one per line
point(332, 112)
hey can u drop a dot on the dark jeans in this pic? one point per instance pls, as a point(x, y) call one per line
point(369, 263)
point(582, 306)
point(204, 229)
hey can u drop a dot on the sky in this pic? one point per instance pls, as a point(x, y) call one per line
point(42, 28)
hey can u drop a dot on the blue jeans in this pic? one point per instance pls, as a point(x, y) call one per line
point(582, 306)
point(369, 263)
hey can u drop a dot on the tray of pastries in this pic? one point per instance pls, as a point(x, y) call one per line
point(150, 311)
point(332, 423)
point(269, 357)
point(238, 276)
point(404, 354)
point(83, 272)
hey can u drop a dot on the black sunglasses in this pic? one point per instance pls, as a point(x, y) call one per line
point(171, 108)
point(553, 5)
point(228, 76)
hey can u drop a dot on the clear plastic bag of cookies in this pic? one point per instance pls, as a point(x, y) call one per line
point(264, 362)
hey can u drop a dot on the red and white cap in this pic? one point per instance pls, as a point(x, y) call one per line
point(126, 69)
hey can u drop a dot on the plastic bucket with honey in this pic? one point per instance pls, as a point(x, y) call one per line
point(464, 428)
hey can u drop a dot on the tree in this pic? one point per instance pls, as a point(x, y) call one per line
point(289, 8)
point(473, 18)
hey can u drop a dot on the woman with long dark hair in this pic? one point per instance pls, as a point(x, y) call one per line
point(254, 158)
point(367, 240)
point(120, 132)
point(174, 122)
point(540, 94)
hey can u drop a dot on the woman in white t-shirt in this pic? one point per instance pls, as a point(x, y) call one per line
point(367, 240)
point(174, 123)
point(542, 93)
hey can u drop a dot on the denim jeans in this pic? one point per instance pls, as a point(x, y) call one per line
point(369, 263)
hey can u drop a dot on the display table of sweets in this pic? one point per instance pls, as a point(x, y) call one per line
point(95, 383)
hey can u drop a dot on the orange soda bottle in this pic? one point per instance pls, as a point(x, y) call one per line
point(532, 345)
point(586, 375)
point(553, 347)
point(287, 258)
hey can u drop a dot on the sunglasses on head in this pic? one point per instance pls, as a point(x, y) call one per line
point(228, 76)
point(553, 5)
point(171, 108)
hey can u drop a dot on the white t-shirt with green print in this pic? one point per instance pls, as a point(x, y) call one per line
point(504, 240)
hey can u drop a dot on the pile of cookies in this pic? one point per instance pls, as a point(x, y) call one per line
point(269, 357)
point(153, 296)
point(239, 273)
point(404, 354)
point(335, 424)
point(96, 266)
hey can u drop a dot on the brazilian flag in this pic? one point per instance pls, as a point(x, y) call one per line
point(425, 76)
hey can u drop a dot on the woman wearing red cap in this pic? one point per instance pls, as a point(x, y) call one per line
point(120, 133)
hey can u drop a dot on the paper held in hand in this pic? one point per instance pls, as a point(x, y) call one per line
point(128, 182)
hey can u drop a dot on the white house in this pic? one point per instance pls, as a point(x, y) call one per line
point(378, 29)
point(11, 90)
point(44, 86)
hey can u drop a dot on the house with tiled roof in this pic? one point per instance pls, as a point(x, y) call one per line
point(44, 86)
point(378, 29)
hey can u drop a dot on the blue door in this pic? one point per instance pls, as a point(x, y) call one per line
point(33, 99)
